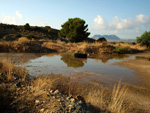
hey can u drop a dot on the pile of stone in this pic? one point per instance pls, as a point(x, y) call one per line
point(55, 102)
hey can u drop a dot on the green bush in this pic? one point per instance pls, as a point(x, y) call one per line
point(27, 26)
point(119, 50)
point(18, 35)
point(49, 31)
point(30, 36)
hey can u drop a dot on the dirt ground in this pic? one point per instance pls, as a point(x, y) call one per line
point(140, 93)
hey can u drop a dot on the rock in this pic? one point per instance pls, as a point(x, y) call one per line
point(37, 102)
point(56, 92)
point(19, 84)
point(80, 102)
point(80, 98)
point(101, 40)
point(70, 95)
point(42, 110)
point(72, 100)
point(67, 98)
point(51, 91)
point(80, 55)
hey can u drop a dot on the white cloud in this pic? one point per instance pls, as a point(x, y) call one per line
point(119, 24)
point(138, 24)
point(18, 19)
point(100, 22)
point(18, 14)
point(9, 20)
point(141, 18)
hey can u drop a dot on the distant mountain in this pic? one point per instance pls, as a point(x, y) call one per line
point(108, 37)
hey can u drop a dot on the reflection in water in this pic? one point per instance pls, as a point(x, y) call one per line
point(71, 61)
point(105, 58)
point(97, 68)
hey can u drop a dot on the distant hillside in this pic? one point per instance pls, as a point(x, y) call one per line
point(13, 32)
point(108, 37)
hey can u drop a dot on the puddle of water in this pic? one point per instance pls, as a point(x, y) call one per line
point(99, 69)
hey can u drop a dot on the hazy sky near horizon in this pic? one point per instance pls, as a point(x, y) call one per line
point(124, 18)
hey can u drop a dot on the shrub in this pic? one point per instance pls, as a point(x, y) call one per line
point(30, 36)
point(18, 35)
point(119, 50)
point(27, 26)
point(49, 31)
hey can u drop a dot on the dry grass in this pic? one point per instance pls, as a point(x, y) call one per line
point(118, 99)
point(66, 85)
point(101, 99)
point(49, 81)
point(23, 45)
point(23, 40)
point(26, 45)
point(131, 46)
point(113, 102)
point(92, 48)
point(54, 45)
point(8, 70)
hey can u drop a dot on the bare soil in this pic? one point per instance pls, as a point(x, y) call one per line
point(140, 93)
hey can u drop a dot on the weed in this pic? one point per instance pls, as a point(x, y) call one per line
point(119, 50)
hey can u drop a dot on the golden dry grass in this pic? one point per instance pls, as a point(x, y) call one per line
point(8, 70)
point(25, 45)
point(49, 81)
point(131, 46)
point(102, 98)
point(113, 102)
point(60, 47)
point(118, 99)
point(23, 40)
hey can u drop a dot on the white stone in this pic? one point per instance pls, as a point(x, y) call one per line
point(37, 101)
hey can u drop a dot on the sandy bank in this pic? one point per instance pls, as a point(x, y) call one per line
point(140, 93)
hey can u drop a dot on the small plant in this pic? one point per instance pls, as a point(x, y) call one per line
point(119, 50)
point(18, 35)
point(49, 31)
point(148, 58)
point(30, 36)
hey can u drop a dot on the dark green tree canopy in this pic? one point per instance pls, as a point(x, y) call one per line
point(74, 29)
point(144, 39)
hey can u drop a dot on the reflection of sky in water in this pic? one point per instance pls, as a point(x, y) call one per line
point(54, 64)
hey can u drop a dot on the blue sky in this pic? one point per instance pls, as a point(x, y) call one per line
point(124, 18)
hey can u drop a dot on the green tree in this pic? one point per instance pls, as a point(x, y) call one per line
point(71, 61)
point(144, 39)
point(74, 29)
